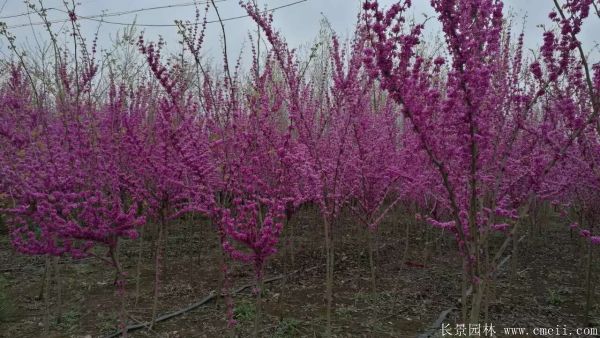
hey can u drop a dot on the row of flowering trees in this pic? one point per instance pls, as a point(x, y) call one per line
point(478, 126)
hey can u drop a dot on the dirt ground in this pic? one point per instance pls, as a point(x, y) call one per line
point(414, 285)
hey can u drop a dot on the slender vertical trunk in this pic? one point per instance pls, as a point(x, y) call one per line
point(120, 284)
point(372, 261)
point(406, 242)
point(225, 286)
point(429, 245)
point(588, 278)
point(473, 227)
point(478, 277)
point(47, 295)
point(58, 290)
point(287, 253)
point(165, 253)
point(42, 288)
point(123, 311)
point(514, 258)
point(259, 286)
point(571, 233)
point(537, 221)
point(157, 269)
point(463, 299)
point(478, 294)
point(581, 248)
point(258, 306)
point(486, 301)
point(221, 262)
point(191, 262)
point(292, 243)
point(329, 266)
point(138, 269)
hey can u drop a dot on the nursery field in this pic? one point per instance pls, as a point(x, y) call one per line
point(414, 285)
point(429, 175)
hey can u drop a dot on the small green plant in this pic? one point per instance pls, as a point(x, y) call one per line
point(70, 320)
point(346, 311)
point(288, 327)
point(379, 327)
point(106, 322)
point(363, 297)
point(555, 298)
point(244, 311)
point(6, 305)
point(84, 269)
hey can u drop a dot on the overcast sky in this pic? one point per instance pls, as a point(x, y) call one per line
point(299, 22)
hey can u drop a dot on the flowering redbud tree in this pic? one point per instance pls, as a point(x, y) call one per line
point(471, 120)
point(66, 183)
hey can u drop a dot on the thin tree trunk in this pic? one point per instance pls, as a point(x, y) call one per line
point(406, 242)
point(514, 258)
point(372, 261)
point(258, 306)
point(287, 253)
point(120, 283)
point(157, 270)
point(464, 303)
point(138, 270)
point(429, 245)
point(292, 244)
point(47, 295)
point(478, 293)
point(489, 277)
point(588, 279)
point(222, 270)
point(581, 248)
point(486, 300)
point(329, 266)
point(58, 290)
point(165, 252)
